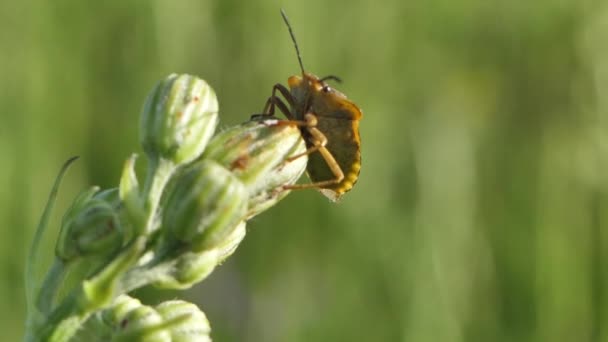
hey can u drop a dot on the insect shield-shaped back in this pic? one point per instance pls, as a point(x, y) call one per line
point(335, 168)
point(329, 125)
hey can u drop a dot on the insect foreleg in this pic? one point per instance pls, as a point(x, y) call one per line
point(274, 100)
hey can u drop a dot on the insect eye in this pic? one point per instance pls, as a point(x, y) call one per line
point(326, 89)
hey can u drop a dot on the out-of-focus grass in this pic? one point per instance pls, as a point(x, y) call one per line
point(480, 214)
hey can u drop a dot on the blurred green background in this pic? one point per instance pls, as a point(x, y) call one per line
point(481, 211)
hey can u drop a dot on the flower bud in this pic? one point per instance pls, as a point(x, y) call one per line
point(178, 119)
point(191, 268)
point(110, 196)
point(195, 328)
point(203, 206)
point(257, 152)
point(134, 322)
point(231, 242)
point(108, 321)
point(174, 321)
point(119, 309)
point(90, 227)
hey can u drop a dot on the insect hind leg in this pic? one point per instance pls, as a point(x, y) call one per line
point(333, 166)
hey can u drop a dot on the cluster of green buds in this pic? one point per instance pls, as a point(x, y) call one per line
point(127, 319)
point(187, 217)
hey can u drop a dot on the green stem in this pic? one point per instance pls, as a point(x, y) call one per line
point(49, 287)
point(143, 276)
point(154, 270)
point(68, 328)
point(94, 294)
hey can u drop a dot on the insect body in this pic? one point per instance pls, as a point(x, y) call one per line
point(329, 124)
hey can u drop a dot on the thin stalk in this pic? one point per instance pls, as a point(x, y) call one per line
point(31, 279)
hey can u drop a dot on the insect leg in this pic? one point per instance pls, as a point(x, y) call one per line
point(319, 141)
point(333, 166)
point(274, 100)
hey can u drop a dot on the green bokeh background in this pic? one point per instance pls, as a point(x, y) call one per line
point(481, 211)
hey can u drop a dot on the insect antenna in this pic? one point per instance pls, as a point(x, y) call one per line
point(293, 38)
point(331, 77)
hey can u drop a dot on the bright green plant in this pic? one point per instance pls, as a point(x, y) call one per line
point(189, 216)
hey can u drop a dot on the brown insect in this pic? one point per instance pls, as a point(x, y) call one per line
point(329, 124)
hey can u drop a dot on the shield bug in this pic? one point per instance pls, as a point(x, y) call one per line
point(329, 124)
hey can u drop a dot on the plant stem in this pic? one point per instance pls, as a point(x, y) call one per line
point(48, 290)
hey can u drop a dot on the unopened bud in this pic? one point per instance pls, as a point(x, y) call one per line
point(135, 322)
point(204, 205)
point(257, 153)
point(90, 227)
point(119, 309)
point(178, 119)
point(191, 268)
point(195, 328)
point(231, 242)
point(171, 321)
point(110, 196)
